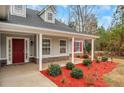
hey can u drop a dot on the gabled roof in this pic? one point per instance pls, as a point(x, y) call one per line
point(32, 19)
point(47, 7)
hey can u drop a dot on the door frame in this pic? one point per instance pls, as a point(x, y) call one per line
point(9, 50)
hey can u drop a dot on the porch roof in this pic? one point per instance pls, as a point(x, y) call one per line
point(9, 27)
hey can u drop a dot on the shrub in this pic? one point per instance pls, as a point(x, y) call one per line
point(86, 62)
point(77, 73)
point(97, 59)
point(85, 56)
point(54, 70)
point(104, 58)
point(69, 65)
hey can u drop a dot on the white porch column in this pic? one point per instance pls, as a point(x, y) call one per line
point(40, 52)
point(72, 55)
point(92, 49)
point(82, 46)
point(37, 46)
point(0, 46)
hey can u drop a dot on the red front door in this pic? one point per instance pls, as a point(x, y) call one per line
point(18, 50)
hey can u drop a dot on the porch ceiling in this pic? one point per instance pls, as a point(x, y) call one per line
point(35, 30)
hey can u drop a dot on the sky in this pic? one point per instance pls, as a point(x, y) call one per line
point(104, 13)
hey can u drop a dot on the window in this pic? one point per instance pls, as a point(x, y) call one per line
point(62, 46)
point(50, 16)
point(18, 7)
point(77, 46)
point(46, 46)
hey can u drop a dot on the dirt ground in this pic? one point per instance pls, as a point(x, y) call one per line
point(116, 77)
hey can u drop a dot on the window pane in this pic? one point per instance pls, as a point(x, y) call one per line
point(50, 15)
point(46, 46)
point(62, 50)
point(62, 46)
point(77, 46)
point(18, 7)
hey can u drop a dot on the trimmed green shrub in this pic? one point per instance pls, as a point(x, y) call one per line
point(85, 56)
point(77, 73)
point(86, 62)
point(70, 65)
point(54, 70)
point(104, 58)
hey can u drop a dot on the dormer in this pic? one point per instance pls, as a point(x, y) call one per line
point(48, 14)
point(18, 10)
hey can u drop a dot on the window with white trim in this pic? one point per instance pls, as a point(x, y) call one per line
point(46, 46)
point(77, 46)
point(18, 7)
point(18, 10)
point(63, 46)
point(50, 16)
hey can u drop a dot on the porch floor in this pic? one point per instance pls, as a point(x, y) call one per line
point(27, 75)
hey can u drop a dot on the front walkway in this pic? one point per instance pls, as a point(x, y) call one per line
point(26, 75)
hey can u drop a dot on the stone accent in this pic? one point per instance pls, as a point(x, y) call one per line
point(3, 63)
point(32, 59)
point(52, 59)
point(35, 60)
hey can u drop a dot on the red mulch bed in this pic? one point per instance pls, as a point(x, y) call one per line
point(99, 68)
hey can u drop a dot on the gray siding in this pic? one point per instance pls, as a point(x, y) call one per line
point(3, 43)
point(55, 46)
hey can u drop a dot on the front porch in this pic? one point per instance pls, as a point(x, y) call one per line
point(40, 44)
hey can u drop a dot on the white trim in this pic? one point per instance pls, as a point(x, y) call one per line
point(66, 46)
point(53, 19)
point(0, 46)
point(40, 52)
point(22, 12)
point(27, 52)
point(82, 46)
point(3, 58)
point(72, 56)
point(37, 46)
point(7, 50)
point(50, 46)
point(59, 55)
point(92, 49)
point(7, 53)
point(3, 26)
point(78, 52)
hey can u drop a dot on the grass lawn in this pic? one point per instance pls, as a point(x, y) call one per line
point(95, 72)
point(116, 77)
